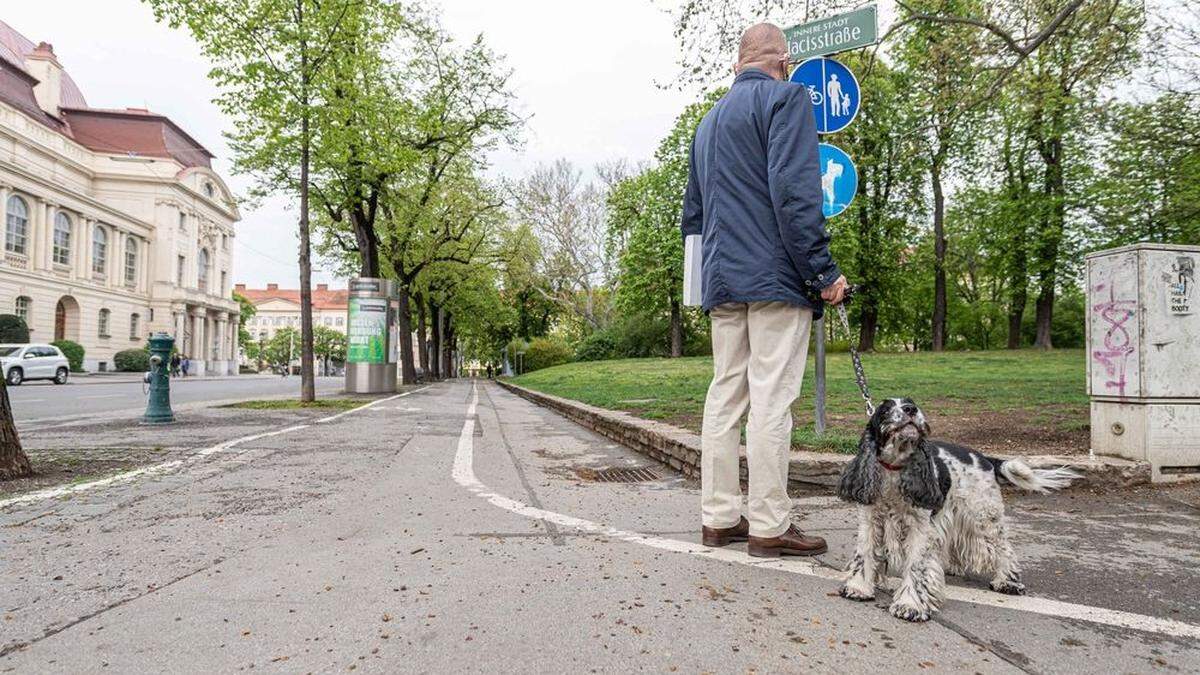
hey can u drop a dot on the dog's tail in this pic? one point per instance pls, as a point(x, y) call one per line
point(1035, 480)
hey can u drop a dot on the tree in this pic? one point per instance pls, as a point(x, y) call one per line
point(566, 215)
point(270, 58)
point(281, 349)
point(329, 345)
point(872, 239)
point(13, 461)
point(246, 311)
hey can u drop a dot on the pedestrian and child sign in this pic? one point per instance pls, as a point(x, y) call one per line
point(830, 35)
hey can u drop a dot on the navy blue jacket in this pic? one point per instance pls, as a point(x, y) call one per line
point(754, 193)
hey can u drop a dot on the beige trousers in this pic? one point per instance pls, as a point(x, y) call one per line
point(759, 353)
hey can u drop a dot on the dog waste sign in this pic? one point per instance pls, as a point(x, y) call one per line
point(833, 34)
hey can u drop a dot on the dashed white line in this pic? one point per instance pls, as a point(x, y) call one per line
point(464, 474)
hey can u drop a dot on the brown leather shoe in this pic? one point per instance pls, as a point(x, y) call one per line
point(792, 542)
point(723, 536)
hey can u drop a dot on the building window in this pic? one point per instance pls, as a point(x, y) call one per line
point(131, 260)
point(182, 221)
point(180, 271)
point(22, 306)
point(134, 319)
point(339, 320)
point(99, 251)
point(209, 190)
point(224, 275)
point(62, 239)
point(104, 317)
point(224, 242)
point(151, 315)
point(202, 270)
point(17, 225)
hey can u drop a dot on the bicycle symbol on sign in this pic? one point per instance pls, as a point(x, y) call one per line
point(816, 96)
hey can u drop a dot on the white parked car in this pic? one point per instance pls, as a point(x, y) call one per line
point(33, 362)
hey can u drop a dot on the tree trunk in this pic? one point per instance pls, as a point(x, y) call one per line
point(1045, 311)
point(422, 331)
point(435, 346)
point(939, 258)
point(13, 461)
point(1052, 235)
point(868, 324)
point(308, 388)
point(368, 248)
point(1018, 292)
point(676, 329)
point(408, 369)
point(447, 353)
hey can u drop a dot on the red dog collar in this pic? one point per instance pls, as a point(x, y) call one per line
point(890, 467)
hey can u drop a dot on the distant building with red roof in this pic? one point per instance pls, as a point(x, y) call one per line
point(278, 308)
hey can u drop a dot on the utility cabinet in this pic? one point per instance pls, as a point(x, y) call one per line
point(1143, 360)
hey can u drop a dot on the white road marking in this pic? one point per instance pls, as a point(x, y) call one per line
point(156, 469)
point(464, 474)
point(375, 402)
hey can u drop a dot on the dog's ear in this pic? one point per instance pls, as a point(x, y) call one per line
point(860, 479)
point(919, 481)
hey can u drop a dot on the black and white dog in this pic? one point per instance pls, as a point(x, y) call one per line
point(930, 508)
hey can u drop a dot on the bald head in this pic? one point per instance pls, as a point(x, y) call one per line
point(763, 46)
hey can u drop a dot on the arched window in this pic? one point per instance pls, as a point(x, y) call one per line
point(131, 261)
point(17, 226)
point(24, 303)
point(202, 270)
point(99, 251)
point(104, 319)
point(134, 319)
point(62, 239)
point(209, 190)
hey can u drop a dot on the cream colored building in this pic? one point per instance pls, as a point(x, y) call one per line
point(278, 308)
point(113, 224)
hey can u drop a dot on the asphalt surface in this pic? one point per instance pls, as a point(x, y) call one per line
point(47, 401)
point(450, 530)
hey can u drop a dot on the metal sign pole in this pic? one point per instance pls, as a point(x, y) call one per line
point(819, 329)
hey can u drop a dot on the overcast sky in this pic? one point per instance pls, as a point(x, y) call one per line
point(585, 74)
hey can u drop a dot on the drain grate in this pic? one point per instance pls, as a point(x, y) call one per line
point(638, 475)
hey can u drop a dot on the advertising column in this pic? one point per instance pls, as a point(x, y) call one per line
point(370, 355)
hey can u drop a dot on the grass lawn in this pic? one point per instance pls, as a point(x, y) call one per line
point(1014, 402)
point(296, 404)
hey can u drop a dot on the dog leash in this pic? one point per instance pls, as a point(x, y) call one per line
point(860, 376)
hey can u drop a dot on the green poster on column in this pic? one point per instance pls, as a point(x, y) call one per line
point(368, 331)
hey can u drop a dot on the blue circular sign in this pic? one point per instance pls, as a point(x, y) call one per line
point(833, 90)
point(839, 179)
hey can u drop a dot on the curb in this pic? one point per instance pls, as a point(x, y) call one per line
point(680, 449)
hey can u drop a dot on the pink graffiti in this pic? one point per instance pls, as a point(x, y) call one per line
point(1118, 343)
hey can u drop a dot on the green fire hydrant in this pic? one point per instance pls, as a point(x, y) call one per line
point(158, 405)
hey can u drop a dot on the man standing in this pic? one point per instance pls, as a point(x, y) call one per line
point(754, 193)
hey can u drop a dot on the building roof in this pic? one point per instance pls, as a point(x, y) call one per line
point(135, 132)
point(323, 297)
point(14, 47)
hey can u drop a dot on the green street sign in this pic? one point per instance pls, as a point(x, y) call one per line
point(833, 34)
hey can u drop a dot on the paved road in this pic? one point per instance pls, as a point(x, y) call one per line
point(45, 400)
point(449, 531)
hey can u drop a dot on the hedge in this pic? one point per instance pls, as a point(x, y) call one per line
point(74, 353)
point(132, 361)
point(13, 329)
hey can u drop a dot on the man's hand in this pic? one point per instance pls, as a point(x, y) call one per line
point(836, 292)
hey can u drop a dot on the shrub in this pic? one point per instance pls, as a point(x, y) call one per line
point(544, 352)
point(598, 346)
point(642, 336)
point(13, 329)
point(74, 353)
point(132, 361)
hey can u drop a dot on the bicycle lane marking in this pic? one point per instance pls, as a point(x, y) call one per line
point(463, 473)
point(164, 467)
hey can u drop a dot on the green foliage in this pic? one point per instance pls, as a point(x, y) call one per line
point(544, 352)
point(283, 348)
point(598, 346)
point(132, 361)
point(13, 329)
point(329, 344)
point(246, 311)
point(74, 353)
